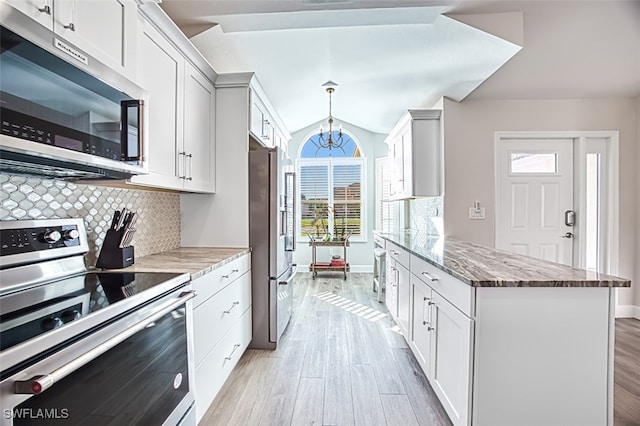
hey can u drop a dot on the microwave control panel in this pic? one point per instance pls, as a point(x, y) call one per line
point(34, 129)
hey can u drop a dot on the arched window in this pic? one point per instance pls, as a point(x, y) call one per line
point(332, 189)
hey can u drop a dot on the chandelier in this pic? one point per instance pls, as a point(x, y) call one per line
point(328, 139)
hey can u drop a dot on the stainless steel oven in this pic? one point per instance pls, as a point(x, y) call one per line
point(89, 347)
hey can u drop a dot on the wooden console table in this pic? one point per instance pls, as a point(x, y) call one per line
point(326, 266)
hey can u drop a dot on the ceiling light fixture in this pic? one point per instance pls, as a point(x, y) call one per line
point(328, 139)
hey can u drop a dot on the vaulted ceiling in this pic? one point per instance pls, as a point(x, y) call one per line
point(389, 55)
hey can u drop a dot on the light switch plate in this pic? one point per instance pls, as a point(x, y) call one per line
point(477, 214)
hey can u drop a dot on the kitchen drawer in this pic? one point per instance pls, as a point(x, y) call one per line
point(459, 294)
point(397, 253)
point(379, 241)
point(216, 367)
point(216, 315)
point(211, 283)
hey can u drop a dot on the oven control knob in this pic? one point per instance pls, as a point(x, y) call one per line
point(51, 323)
point(52, 236)
point(70, 315)
point(71, 234)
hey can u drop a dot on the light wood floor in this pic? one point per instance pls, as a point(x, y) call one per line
point(626, 394)
point(341, 362)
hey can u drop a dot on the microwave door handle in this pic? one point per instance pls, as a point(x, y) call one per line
point(38, 384)
point(124, 129)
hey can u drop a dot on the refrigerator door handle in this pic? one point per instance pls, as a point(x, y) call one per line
point(294, 268)
point(293, 212)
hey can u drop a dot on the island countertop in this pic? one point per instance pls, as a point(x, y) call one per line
point(481, 266)
point(196, 261)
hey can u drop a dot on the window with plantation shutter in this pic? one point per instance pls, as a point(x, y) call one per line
point(384, 209)
point(314, 199)
point(332, 193)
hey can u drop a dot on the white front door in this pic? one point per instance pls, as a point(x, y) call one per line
point(534, 190)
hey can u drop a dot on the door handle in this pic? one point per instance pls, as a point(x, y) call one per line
point(568, 235)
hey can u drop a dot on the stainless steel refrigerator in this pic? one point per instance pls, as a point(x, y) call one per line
point(272, 239)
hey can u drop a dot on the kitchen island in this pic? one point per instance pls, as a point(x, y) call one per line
point(505, 339)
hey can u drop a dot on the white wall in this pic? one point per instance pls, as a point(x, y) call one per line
point(470, 128)
point(222, 219)
point(359, 254)
point(637, 276)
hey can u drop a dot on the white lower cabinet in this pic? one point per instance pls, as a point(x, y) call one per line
point(391, 290)
point(421, 324)
point(404, 296)
point(432, 309)
point(451, 345)
point(221, 327)
point(216, 367)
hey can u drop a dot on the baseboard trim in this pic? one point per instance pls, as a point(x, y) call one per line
point(628, 311)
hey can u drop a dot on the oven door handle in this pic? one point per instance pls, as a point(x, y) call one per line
point(38, 384)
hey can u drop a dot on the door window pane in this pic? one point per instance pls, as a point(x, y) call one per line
point(592, 211)
point(522, 162)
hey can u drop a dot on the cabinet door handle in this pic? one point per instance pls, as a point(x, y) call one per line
point(189, 157)
point(429, 277)
point(181, 156)
point(424, 321)
point(235, 347)
point(45, 9)
point(230, 273)
point(228, 311)
point(393, 252)
point(70, 26)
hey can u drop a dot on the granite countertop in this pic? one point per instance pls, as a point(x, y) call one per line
point(481, 266)
point(196, 261)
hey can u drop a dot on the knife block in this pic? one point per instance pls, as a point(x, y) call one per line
point(112, 256)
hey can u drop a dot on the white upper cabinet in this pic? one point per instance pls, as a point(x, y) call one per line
point(104, 29)
point(415, 147)
point(263, 124)
point(181, 118)
point(199, 127)
point(161, 74)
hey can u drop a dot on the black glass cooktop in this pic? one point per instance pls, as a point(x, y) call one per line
point(40, 309)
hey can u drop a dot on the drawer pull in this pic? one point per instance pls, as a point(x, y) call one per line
point(230, 273)
point(393, 252)
point(228, 311)
point(235, 347)
point(429, 277)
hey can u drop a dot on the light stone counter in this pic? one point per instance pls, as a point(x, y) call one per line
point(196, 261)
point(481, 266)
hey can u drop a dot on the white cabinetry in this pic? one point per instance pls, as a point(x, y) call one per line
point(442, 336)
point(199, 125)
point(104, 29)
point(399, 292)
point(263, 122)
point(415, 147)
point(451, 342)
point(221, 327)
point(391, 285)
point(421, 324)
point(181, 118)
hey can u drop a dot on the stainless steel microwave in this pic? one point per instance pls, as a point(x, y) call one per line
point(59, 119)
